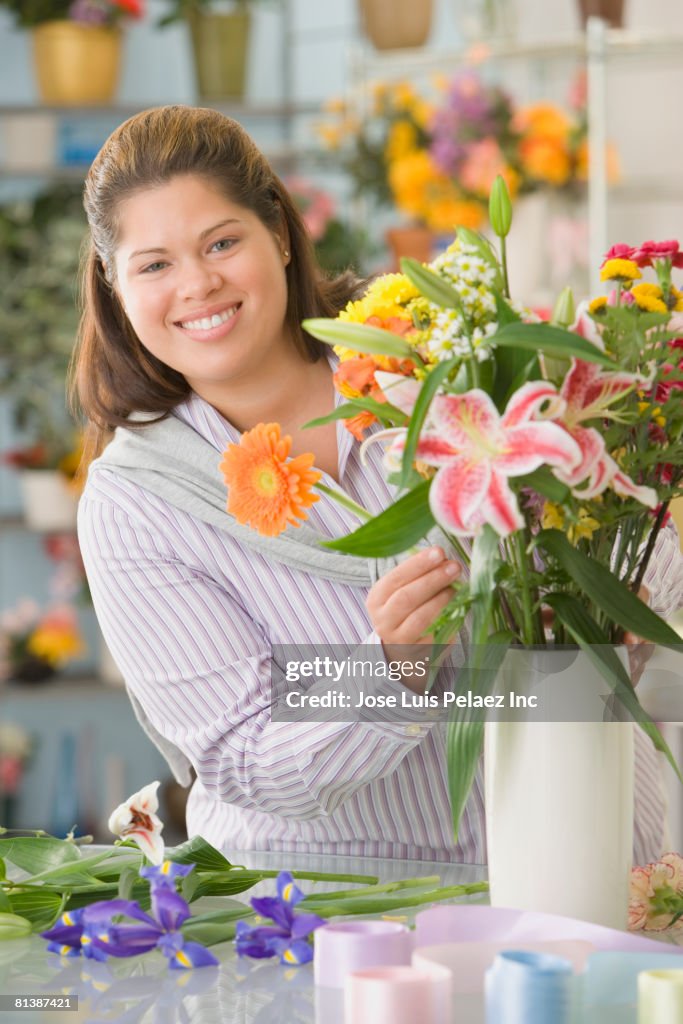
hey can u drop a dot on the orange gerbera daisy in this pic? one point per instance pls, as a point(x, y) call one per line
point(266, 491)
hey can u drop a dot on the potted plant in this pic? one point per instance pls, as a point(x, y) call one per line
point(76, 45)
point(40, 242)
point(35, 643)
point(220, 41)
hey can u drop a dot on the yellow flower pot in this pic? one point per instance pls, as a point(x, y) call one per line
point(76, 64)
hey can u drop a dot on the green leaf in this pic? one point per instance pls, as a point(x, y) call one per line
point(38, 906)
point(432, 285)
point(544, 482)
point(465, 731)
point(610, 595)
point(127, 880)
point(484, 564)
point(217, 925)
point(361, 338)
point(420, 410)
point(552, 340)
point(384, 411)
point(35, 854)
point(593, 641)
point(13, 927)
point(392, 531)
point(198, 851)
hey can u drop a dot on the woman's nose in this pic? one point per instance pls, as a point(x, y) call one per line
point(198, 280)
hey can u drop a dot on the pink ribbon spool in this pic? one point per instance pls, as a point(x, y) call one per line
point(347, 946)
point(398, 995)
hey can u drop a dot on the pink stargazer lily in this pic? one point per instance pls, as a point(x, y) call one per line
point(588, 391)
point(136, 819)
point(477, 449)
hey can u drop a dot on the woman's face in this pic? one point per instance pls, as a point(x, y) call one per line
point(202, 281)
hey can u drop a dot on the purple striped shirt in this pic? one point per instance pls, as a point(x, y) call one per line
point(190, 617)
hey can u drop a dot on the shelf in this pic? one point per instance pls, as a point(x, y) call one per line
point(620, 44)
point(231, 108)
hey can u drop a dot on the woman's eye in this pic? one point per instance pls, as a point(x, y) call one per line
point(223, 244)
point(152, 267)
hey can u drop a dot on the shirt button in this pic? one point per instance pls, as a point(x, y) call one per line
point(413, 730)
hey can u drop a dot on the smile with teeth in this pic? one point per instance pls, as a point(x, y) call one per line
point(207, 322)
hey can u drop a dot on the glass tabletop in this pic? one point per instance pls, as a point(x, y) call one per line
point(142, 990)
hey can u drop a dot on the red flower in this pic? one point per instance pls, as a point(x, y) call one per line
point(646, 253)
point(33, 457)
point(135, 8)
point(619, 252)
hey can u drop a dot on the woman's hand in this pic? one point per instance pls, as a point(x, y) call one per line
point(403, 604)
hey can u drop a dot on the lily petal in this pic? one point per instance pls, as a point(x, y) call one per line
point(527, 401)
point(592, 447)
point(466, 422)
point(500, 507)
point(623, 485)
point(457, 491)
point(531, 445)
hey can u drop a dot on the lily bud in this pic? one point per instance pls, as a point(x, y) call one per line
point(564, 311)
point(13, 927)
point(500, 207)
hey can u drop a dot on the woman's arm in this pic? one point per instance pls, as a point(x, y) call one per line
point(201, 669)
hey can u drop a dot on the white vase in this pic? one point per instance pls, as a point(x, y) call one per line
point(559, 797)
point(49, 503)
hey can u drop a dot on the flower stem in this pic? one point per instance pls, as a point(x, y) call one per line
point(366, 905)
point(343, 499)
point(370, 890)
point(504, 265)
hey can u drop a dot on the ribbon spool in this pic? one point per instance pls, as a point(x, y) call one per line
point(347, 946)
point(398, 995)
point(531, 987)
point(660, 997)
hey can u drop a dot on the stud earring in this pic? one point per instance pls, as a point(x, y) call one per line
point(285, 253)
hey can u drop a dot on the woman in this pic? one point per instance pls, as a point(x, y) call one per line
point(198, 277)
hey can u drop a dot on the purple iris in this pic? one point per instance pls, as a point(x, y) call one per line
point(93, 931)
point(285, 938)
point(164, 875)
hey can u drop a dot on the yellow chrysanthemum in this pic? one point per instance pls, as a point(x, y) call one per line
point(620, 270)
point(389, 291)
point(267, 490)
point(677, 297)
point(648, 297)
point(598, 306)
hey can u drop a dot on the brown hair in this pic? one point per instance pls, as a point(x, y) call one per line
point(112, 373)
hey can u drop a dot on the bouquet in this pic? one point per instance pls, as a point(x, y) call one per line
point(547, 453)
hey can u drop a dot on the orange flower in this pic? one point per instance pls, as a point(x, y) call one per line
point(546, 159)
point(265, 491)
point(355, 378)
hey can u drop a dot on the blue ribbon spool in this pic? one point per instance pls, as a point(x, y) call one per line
point(530, 988)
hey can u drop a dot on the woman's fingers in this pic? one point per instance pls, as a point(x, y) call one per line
point(404, 602)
